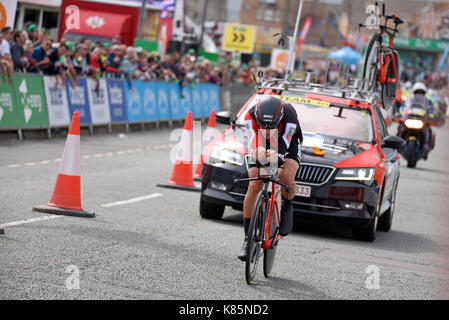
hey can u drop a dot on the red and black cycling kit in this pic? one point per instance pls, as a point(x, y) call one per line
point(289, 135)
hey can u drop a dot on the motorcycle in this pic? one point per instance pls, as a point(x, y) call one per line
point(414, 128)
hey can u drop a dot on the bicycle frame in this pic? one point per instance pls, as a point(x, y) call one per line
point(273, 181)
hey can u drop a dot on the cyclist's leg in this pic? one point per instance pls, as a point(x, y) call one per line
point(251, 194)
point(287, 176)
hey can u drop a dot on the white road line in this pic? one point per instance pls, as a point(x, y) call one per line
point(20, 222)
point(96, 155)
point(132, 200)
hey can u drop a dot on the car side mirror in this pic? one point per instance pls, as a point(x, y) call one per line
point(223, 117)
point(393, 142)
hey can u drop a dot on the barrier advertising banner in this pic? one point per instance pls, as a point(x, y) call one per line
point(79, 101)
point(186, 100)
point(197, 109)
point(163, 101)
point(175, 101)
point(117, 103)
point(98, 101)
point(30, 99)
point(8, 109)
point(141, 101)
point(58, 111)
point(213, 102)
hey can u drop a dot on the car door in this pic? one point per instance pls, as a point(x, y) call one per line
point(390, 161)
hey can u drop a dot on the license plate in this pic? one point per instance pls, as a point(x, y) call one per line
point(303, 191)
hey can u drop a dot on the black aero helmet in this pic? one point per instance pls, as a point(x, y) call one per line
point(269, 112)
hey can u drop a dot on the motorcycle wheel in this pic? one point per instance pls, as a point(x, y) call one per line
point(411, 154)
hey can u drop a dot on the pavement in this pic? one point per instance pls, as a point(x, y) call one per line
point(148, 242)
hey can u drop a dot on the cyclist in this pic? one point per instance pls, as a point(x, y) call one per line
point(274, 123)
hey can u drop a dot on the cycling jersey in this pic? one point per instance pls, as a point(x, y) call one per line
point(289, 137)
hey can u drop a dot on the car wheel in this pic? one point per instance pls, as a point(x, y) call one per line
point(386, 220)
point(367, 233)
point(211, 211)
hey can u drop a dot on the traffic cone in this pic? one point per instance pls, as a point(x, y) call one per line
point(66, 197)
point(208, 136)
point(182, 177)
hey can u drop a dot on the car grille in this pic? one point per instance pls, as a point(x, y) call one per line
point(314, 174)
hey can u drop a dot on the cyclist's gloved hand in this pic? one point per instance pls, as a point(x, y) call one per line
point(272, 156)
point(260, 154)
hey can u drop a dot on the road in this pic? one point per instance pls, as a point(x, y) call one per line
point(148, 242)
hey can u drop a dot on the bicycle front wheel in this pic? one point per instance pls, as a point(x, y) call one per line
point(255, 237)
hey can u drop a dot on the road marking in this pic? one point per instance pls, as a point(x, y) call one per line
point(20, 222)
point(385, 262)
point(132, 200)
point(96, 155)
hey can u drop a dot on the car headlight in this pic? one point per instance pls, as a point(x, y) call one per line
point(414, 123)
point(365, 175)
point(220, 154)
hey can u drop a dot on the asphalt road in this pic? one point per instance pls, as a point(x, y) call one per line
point(148, 242)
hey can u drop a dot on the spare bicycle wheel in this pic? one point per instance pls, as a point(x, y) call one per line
point(389, 88)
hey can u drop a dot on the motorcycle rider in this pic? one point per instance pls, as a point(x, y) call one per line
point(419, 94)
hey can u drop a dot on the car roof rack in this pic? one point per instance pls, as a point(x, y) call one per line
point(352, 88)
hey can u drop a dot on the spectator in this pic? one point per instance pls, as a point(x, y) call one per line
point(33, 34)
point(114, 60)
point(17, 51)
point(29, 49)
point(40, 55)
point(6, 63)
point(95, 67)
point(55, 65)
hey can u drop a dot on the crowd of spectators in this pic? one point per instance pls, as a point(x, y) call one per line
point(35, 52)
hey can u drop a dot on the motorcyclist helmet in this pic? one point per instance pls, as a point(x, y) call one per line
point(419, 88)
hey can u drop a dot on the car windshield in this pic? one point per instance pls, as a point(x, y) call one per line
point(326, 119)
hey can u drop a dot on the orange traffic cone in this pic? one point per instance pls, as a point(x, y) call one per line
point(66, 197)
point(182, 177)
point(208, 135)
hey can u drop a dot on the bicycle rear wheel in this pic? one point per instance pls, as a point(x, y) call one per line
point(389, 88)
point(255, 237)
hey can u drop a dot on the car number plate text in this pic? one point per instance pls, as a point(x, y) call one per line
point(303, 191)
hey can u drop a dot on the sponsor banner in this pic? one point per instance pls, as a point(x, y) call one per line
point(197, 109)
point(210, 98)
point(214, 98)
point(141, 101)
point(186, 100)
point(78, 100)
point(58, 106)
point(98, 101)
point(9, 116)
point(30, 99)
point(163, 101)
point(175, 101)
point(117, 102)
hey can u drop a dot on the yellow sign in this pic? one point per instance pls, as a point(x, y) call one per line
point(239, 38)
point(317, 103)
